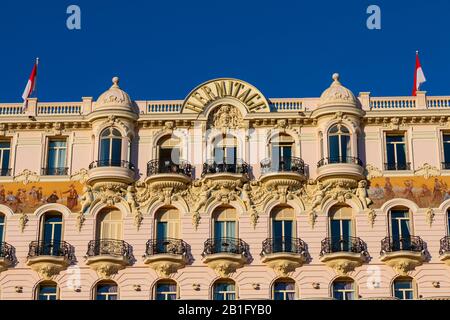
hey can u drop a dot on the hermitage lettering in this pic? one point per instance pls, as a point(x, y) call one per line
point(222, 88)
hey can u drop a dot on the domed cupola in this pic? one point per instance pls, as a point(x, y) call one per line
point(338, 95)
point(114, 98)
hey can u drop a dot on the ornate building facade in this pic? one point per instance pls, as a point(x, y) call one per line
point(226, 195)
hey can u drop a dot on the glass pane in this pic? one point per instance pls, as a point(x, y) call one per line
point(334, 149)
point(231, 155)
point(335, 235)
point(401, 155)
point(446, 148)
point(47, 292)
point(5, 160)
point(390, 154)
point(104, 149)
point(345, 147)
point(116, 153)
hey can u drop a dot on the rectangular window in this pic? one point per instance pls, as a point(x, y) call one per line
point(2, 227)
point(400, 230)
point(284, 291)
point(166, 291)
point(48, 292)
point(396, 152)
point(5, 151)
point(343, 290)
point(56, 158)
point(403, 290)
point(446, 150)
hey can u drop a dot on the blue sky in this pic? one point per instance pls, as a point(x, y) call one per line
point(163, 49)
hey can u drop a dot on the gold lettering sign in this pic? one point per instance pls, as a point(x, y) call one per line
point(214, 90)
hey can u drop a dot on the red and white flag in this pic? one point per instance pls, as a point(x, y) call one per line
point(31, 85)
point(419, 77)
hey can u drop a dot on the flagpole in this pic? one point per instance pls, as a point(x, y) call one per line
point(35, 82)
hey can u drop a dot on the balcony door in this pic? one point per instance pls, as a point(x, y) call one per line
point(56, 158)
point(2, 227)
point(51, 234)
point(341, 228)
point(281, 153)
point(110, 153)
point(400, 229)
point(225, 151)
point(225, 229)
point(5, 151)
point(110, 225)
point(167, 227)
point(169, 154)
point(283, 229)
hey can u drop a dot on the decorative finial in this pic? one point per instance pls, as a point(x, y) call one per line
point(115, 81)
point(336, 77)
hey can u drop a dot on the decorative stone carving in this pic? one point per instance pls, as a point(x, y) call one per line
point(319, 195)
point(403, 261)
point(23, 220)
point(371, 216)
point(362, 195)
point(429, 216)
point(373, 172)
point(196, 219)
point(106, 270)
point(110, 193)
point(81, 176)
point(86, 199)
point(337, 94)
point(26, 177)
point(80, 220)
point(427, 171)
point(226, 117)
point(130, 199)
point(47, 271)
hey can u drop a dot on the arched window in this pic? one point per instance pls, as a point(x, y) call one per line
point(168, 223)
point(283, 229)
point(343, 289)
point(2, 227)
point(282, 149)
point(106, 290)
point(110, 153)
point(51, 234)
point(283, 289)
point(403, 289)
point(225, 229)
point(224, 290)
point(400, 229)
point(338, 144)
point(341, 228)
point(166, 290)
point(47, 290)
point(109, 225)
point(169, 154)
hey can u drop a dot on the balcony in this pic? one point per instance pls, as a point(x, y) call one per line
point(225, 255)
point(54, 171)
point(6, 256)
point(225, 170)
point(397, 166)
point(284, 254)
point(344, 254)
point(49, 258)
point(166, 256)
point(5, 172)
point(168, 174)
point(444, 250)
point(403, 254)
point(108, 256)
point(350, 168)
point(111, 171)
point(288, 172)
point(445, 165)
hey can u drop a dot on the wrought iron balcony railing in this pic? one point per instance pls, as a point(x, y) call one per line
point(5, 172)
point(110, 247)
point(445, 165)
point(284, 244)
point(348, 244)
point(7, 251)
point(397, 166)
point(226, 165)
point(51, 248)
point(225, 245)
point(55, 171)
point(445, 245)
point(112, 163)
point(292, 164)
point(335, 160)
point(156, 166)
point(411, 243)
point(166, 246)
